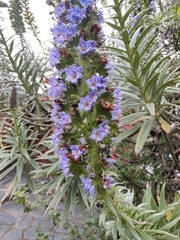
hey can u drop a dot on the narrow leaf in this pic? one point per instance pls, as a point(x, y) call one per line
point(143, 134)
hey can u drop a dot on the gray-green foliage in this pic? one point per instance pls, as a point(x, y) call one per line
point(24, 125)
point(15, 14)
point(148, 221)
point(143, 73)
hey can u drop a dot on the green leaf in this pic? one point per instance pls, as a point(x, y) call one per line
point(114, 26)
point(151, 108)
point(3, 4)
point(143, 134)
point(25, 154)
point(150, 63)
point(162, 202)
point(144, 235)
point(19, 168)
point(170, 224)
point(136, 60)
point(133, 117)
point(128, 133)
point(163, 234)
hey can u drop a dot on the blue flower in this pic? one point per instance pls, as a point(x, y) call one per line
point(85, 104)
point(64, 120)
point(107, 181)
point(100, 17)
point(97, 83)
point(57, 135)
point(88, 186)
point(65, 165)
point(54, 57)
point(60, 9)
point(76, 152)
point(57, 88)
point(105, 126)
point(117, 112)
point(110, 161)
point(92, 96)
point(117, 94)
point(74, 73)
point(76, 14)
point(54, 112)
point(98, 134)
point(86, 47)
point(152, 6)
point(86, 3)
point(62, 33)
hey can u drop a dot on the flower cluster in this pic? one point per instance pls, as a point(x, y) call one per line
point(134, 17)
point(86, 109)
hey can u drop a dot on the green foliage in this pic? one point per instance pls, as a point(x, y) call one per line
point(148, 220)
point(149, 80)
point(15, 15)
point(145, 72)
point(29, 19)
point(2, 4)
point(18, 151)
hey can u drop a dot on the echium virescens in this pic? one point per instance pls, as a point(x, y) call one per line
point(86, 109)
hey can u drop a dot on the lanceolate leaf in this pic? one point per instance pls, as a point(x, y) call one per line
point(143, 134)
point(128, 133)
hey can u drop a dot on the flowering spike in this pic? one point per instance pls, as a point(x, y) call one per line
point(86, 109)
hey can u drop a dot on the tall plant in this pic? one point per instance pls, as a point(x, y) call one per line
point(86, 112)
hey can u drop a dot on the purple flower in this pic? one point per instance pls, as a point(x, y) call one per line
point(83, 140)
point(117, 112)
point(60, 9)
point(85, 104)
point(100, 17)
point(57, 88)
point(74, 73)
point(98, 134)
point(117, 95)
point(54, 112)
point(110, 161)
point(86, 47)
point(105, 126)
point(92, 82)
point(152, 6)
point(54, 57)
point(57, 135)
point(62, 33)
point(92, 96)
point(88, 186)
point(107, 181)
point(65, 165)
point(88, 168)
point(64, 120)
point(76, 152)
point(86, 3)
point(76, 14)
point(97, 83)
